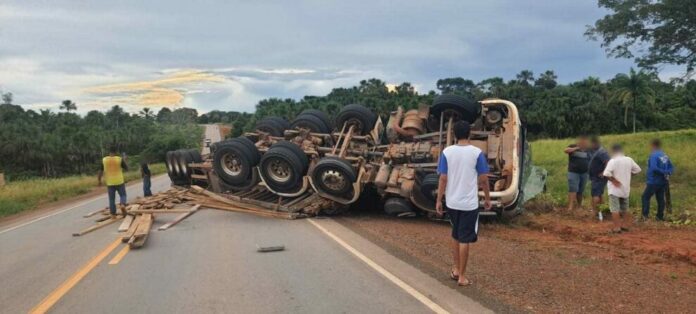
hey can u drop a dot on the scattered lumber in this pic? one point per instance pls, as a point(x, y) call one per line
point(131, 230)
point(99, 211)
point(179, 218)
point(126, 223)
point(98, 226)
point(141, 232)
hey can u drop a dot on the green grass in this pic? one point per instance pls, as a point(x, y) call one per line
point(679, 145)
point(28, 194)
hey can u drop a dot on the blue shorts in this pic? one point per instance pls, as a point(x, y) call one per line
point(464, 224)
point(576, 182)
point(598, 186)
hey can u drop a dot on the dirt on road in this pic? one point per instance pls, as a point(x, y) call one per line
point(553, 262)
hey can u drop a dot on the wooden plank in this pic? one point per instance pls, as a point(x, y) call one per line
point(103, 210)
point(97, 226)
point(125, 225)
point(129, 234)
point(141, 233)
point(160, 211)
point(259, 212)
point(179, 218)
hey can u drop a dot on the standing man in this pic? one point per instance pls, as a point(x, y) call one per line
point(578, 164)
point(619, 170)
point(659, 170)
point(145, 174)
point(598, 182)
point(463, 169)
point(112, 169)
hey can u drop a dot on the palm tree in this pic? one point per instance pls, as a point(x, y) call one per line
point(630, 89)
point(147, 113)
point(68, 105)
point(525, 76)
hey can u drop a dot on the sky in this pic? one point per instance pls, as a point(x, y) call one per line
point(228, 55)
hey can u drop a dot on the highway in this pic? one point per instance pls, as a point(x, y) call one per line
point(208, 264)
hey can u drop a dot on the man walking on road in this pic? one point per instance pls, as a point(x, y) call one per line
point(619, 170)
point(462, 168)
point(598, 182)
point(659, 170)
point(578, 164)
point(112, 169)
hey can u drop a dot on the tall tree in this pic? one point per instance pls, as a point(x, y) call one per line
point(632, 90)
point(525, 77)
point(68, 105)
point(147, 113)
point(7, 98)
point(652, 32)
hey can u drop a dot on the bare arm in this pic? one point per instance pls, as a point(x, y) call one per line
point(570, 150)
point(441, 186)
point(100, 174)
point(485, 186)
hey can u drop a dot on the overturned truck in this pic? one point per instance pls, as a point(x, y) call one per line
point(336, 160)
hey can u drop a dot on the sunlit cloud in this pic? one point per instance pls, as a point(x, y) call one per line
point(167, 91)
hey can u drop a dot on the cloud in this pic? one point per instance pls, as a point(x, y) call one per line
point(230, 54)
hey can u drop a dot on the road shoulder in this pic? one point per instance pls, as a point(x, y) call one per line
point(445, 296)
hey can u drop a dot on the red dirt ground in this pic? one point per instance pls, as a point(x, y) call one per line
point(551, 262)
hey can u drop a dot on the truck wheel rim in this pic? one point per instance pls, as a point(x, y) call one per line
point(231, 164)
point(279, 170)
point(333, 180)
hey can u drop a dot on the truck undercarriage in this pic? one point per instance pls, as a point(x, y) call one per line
point(336, 160)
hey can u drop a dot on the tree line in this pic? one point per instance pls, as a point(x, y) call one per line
point(634, 101)
point(49, 144)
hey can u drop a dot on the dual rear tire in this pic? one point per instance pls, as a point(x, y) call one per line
point(234, 160)
point(177, 165)
point(283, 167)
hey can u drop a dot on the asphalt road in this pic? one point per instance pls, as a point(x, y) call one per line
point(212, 132)
point(208, 264)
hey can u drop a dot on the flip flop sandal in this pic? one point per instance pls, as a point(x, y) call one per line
point(453, 276)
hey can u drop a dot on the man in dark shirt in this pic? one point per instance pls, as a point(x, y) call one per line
point(578, 164)
point(145, 174)
point(598, 182)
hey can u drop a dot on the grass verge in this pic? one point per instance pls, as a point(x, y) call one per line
point(679, 145)
point(24, 195)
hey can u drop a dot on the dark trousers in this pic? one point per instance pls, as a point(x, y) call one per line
point(112, 189)
point(659, 191)
point(147, 184)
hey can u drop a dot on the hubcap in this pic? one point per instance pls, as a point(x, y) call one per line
point(334, 180)
point(231, 164)
point(278, 170)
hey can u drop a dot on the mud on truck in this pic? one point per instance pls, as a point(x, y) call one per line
point(336, 160)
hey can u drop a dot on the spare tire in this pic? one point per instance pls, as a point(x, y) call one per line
point(460, 107)
point(428, 186)
point(399, 207)
point(275, 126)
point(311, 122)
point(232, 163)
point(334, 176)
point(362, 119)
point(283, 167)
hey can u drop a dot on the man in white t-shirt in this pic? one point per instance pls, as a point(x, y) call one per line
point(462, 168)
point(618, 171)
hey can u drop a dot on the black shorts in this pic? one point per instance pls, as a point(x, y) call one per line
point(464, 224)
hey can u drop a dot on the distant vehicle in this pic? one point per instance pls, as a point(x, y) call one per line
point(338, 159)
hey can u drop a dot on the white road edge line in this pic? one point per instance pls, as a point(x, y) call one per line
point(400, 283)
point(59, 212)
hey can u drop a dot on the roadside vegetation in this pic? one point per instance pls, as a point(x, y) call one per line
point(28, 194)
point(49, 145)
point(679, 145)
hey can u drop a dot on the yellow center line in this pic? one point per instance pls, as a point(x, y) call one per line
point(119, 256)
point(59, 292)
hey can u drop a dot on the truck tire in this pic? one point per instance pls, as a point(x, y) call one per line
point(251, 148)
point(311, 122)
point(275, 126)
point(334, 176)
point(428, 186)
point(462, 107)
point(232, 163)
point(283, 167)
point(182, 157)
point(359, 116)
point(321, 115)
point(399, 207)
point(170, 167)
